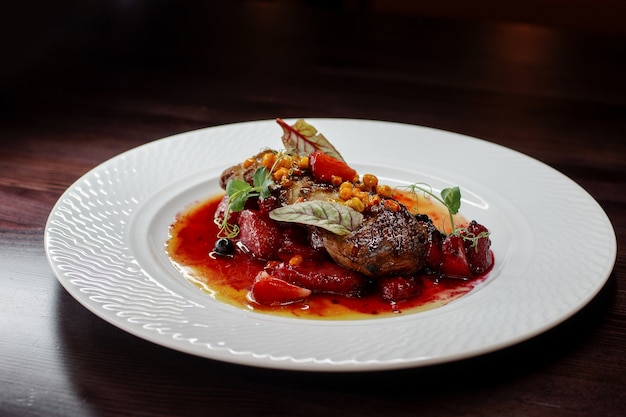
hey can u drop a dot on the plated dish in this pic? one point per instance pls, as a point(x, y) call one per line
point(105, 242)
point(298, 232)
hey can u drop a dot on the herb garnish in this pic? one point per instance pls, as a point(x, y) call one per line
point(449, 197)
point(239, 191)
point(471, 237)
point(299, 139)
point(303, 139)
point(334, 217)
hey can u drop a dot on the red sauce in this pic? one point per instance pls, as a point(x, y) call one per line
point(228, 280)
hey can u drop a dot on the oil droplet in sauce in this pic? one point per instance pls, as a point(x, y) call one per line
point(193, 235)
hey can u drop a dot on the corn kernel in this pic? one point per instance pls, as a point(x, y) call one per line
point(280, 173)
point(336, 180)
point(346, 184)
point(356, 203)
point(374, 200)
point(303, 163)
point(285, 162)
point(345, 193)
point(360, 194)
point(296, 260)
point(392, 205)
point(384, 190)
point(268, 160)
point(370, 180)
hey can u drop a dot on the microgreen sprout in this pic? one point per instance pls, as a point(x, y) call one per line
point(473, 238)
point(239, 191)
point(450, 198)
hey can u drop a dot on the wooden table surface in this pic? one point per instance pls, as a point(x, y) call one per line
point(94, 81)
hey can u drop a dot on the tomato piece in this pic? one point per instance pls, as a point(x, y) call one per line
point(478, 253)
point(296, 242)
point(259, 234)
point(454, 260)
point(269, 290)
point(399, 288)
point(324, 167)
point(322, 277)
point(433, 244)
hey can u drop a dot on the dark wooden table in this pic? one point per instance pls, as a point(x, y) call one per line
point(81, 84)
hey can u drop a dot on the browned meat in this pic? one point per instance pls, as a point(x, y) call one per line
point(388, 242)
point(305, 188)
point(301, 187)
point(240, 172)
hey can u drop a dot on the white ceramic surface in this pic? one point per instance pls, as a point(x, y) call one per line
point(105, 242)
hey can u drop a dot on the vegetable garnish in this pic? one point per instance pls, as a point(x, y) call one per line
point(449, 197)
point(239, 191)
point(473, 238)
point(299, 139)
point(301, 233)
point(303, 139)
point(334, 217)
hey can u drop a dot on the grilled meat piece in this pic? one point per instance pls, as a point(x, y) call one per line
point(242, 172)
point(305, 188)
point(388, 242)
point(301, 187)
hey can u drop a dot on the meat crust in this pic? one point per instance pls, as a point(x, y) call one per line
point(302, 187)
point(388, 242)
point(240, 172)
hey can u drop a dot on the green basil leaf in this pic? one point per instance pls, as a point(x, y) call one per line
point(237, 186)
point(266, 191)
point(238, 201)
point(238, 192)
point(259, 177)
point(452, 199)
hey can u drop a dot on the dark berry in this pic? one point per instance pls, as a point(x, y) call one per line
point(224, 246)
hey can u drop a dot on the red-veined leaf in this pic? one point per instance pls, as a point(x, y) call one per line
point(304, 139)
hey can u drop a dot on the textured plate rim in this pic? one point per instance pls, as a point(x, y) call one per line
point(78, 279)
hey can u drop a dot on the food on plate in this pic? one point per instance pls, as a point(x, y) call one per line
point(299, 231)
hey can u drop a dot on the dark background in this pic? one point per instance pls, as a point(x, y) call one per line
point(139, 70)
point(107, 44)
point(82, 81)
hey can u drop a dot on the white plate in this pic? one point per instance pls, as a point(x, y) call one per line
point(554, 249)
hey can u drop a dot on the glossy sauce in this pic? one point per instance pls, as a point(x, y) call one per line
point(228, 280)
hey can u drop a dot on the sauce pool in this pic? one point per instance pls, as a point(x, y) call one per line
point(192, 238)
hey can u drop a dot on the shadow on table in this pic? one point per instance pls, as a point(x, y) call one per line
point(117, 373)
